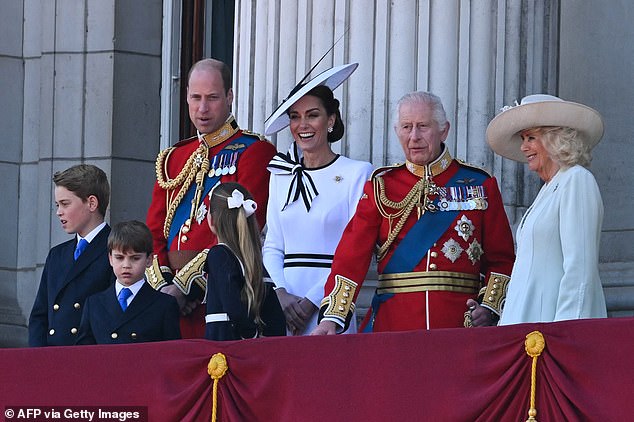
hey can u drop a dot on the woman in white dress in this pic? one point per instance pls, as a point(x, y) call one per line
point(313, 193)
point(556, 275)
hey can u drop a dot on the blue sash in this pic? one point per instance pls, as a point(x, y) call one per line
point(427, 230)
point(182, 211)
point(377, 299)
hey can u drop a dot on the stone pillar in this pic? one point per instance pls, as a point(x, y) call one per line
point(82, 85)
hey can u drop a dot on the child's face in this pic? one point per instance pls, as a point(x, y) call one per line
point(76, 215)
point(129, 266)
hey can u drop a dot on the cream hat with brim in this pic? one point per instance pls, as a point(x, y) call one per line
point(332, 78)
point(539, 110)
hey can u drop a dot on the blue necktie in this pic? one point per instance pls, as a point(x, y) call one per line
point(124, 294)
point(81, 245)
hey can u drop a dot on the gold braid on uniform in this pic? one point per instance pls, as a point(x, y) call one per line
point(196, 166)
point(404, 207)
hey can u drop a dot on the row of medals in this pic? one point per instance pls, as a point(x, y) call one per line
point(223, 165)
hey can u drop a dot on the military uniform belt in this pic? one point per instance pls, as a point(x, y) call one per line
point(178, 259)
point(428, 281)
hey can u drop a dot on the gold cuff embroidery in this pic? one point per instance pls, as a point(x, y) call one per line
point(192, 273)
point(154, 274)
point(339, 303)
point(495, 293)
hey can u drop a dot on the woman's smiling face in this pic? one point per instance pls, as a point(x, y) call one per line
point(309, 123)
point(536, 154)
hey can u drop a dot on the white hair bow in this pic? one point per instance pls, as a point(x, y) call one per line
point(236, 200)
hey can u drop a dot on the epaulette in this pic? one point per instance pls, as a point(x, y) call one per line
point(473, 167)
point(185, 141)
point(384, 169)
point(255, 135)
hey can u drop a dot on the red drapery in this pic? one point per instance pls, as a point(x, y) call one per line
point(585, 373)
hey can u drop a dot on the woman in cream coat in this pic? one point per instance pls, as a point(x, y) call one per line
point(555, 276)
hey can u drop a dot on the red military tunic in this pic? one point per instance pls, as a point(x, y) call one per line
point(476, 247)
point(250, 171)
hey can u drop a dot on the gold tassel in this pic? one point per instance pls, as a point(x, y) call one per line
point(534, 346)
point(216, 368)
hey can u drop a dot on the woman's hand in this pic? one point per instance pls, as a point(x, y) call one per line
point(296, 312)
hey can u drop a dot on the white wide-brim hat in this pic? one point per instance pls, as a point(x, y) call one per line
point(332, 78)
point(541, 110)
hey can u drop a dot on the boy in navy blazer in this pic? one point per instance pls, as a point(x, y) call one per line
point(130, 311)
point(79, 267)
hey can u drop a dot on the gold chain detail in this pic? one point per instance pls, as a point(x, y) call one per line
point(161, 172)
point(186, 177)
point(405, 207)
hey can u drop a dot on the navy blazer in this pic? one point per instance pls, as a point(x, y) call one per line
point(64, 287)
point(151, 316)
point(224, 285)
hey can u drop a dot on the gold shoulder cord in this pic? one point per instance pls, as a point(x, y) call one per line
point(196, 167)
point(404, 207)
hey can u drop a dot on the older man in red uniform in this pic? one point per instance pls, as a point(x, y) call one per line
point(186, 173)
point(442, 239)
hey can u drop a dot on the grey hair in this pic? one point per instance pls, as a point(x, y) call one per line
point(421, 97)
point(564, 145)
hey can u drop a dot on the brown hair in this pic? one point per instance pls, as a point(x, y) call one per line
point(130, 236)
point(242, 235)
point(85, 180)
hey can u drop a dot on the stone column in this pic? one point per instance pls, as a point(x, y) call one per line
point(82, 85)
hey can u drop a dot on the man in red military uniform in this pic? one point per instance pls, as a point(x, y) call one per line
point(186, 173)
point(439, 230)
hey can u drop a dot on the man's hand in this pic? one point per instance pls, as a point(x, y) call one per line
point(480, 316)
point(186, 306)
point(190, 305)
point(325, 328)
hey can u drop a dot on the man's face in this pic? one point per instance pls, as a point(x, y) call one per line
point(419, 134)
point(209, 105)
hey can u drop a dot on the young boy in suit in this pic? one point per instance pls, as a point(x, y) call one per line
point(130, 311)
point(79, 267)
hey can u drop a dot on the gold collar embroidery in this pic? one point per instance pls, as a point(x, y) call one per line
point(434, 168)
point(226, 131)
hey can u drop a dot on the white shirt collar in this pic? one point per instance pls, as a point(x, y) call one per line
point(90, 236)
point(133, 288)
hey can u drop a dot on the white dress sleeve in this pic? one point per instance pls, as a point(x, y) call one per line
point(580, 221)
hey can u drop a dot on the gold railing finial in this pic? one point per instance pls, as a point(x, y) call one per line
point(216, 368)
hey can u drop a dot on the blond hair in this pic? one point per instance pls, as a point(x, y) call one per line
point(564, 146)
point(242, 235)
